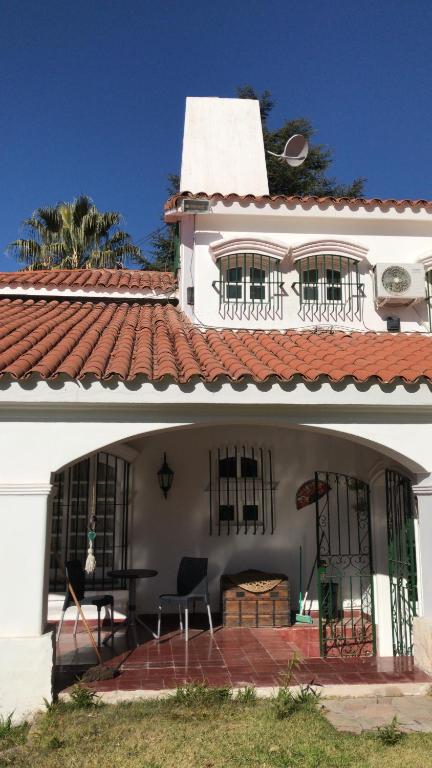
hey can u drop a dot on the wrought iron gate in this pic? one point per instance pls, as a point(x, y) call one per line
point(345, 574)
point(401, 560)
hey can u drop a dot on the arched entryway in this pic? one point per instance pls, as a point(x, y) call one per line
point(229, 516)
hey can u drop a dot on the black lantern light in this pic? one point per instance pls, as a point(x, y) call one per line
point(165, 477)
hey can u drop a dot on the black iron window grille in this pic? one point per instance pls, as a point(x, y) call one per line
point(249, 284)
point(241, 490)
point(329, 287)
point(98, 485)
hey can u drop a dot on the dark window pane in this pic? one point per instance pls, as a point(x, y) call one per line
point(228, 467)
point(249, 467)
point(257, 292)
point(334, 294)
point(257, 275)
point(234, 291)
point(250, 512)
point(226, 512)
point(310, 293)
point(234, 275)
point(310, 276)
point(333, 276)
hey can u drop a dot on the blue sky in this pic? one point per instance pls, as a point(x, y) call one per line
point(92, 93)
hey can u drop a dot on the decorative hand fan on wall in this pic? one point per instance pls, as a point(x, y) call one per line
point(310, 492)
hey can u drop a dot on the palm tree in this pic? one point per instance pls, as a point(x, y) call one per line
point(73, 236)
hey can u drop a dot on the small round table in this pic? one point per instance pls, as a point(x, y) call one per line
point(131, 620)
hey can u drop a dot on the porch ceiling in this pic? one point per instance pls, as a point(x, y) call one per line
point(105, 338)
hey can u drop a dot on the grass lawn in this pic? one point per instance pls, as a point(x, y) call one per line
point(201, 733)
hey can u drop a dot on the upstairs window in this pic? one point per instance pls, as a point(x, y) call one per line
point(249, 282)
point(329, 285)
point(329, 282)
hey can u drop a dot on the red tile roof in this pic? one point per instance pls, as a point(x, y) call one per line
point(306, 201)
point(49, 337)
point(131, 280)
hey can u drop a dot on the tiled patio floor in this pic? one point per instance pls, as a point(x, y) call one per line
point(232, 657)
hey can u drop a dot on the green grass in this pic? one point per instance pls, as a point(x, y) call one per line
point(206, 732)
point(11, 736)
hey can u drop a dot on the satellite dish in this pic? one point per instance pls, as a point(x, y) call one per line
point(295, 150)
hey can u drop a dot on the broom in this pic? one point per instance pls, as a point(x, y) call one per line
point(301, 617)
point(99, 672)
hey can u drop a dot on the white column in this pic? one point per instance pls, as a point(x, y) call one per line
point(26, 645)
point(383, 617)
point(422, 625)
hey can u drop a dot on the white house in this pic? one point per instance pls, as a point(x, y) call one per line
point(293, 345)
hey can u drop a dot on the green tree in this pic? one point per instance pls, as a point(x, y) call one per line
point(311, 177)
point(73, 235)
point(162, 240)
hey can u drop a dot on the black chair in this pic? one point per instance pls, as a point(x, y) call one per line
point(75, 575)
point(191, 586)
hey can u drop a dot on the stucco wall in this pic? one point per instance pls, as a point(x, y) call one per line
point(387, 240)
point(162, 531)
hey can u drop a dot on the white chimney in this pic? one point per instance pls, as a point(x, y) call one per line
point(223, 147)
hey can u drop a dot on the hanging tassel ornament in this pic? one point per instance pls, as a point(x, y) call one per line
point(90, 565)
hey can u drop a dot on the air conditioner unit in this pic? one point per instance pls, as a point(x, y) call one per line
point(195, 205)
point(399, 284)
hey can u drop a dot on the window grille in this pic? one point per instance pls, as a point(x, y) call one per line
point(329, 285)
point(241, 490)
point(98, 485)
point(249, 282)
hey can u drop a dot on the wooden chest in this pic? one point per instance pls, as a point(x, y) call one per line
point(241, 608)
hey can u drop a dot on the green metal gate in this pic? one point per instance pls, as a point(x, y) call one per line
point(401, 560)
point(345, 573)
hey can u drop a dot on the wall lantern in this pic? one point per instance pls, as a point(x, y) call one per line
point(165, 477)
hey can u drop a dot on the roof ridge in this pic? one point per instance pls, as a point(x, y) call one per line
point(134, 281)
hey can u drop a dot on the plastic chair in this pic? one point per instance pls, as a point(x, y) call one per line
point(75, 575)
point(192, 585)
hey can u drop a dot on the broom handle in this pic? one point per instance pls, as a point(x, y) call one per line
point(78, 606)
point(89, 632)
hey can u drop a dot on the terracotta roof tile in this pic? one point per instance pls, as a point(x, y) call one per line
point(104, 339)
point(132, 280)
point(306, 201)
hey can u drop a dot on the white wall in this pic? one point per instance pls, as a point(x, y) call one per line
point(223, 148)
point(387, 240)
point(162, 531)
point(40, 436)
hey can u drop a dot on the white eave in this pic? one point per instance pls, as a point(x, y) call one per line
point(303, 210)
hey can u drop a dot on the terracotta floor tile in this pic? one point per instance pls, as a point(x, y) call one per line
point(231, 657)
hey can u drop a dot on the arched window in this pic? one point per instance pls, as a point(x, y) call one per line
point(329, 281)
point(248, 278)
point(329, 284)
point(99, 486)
point(250, 282)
